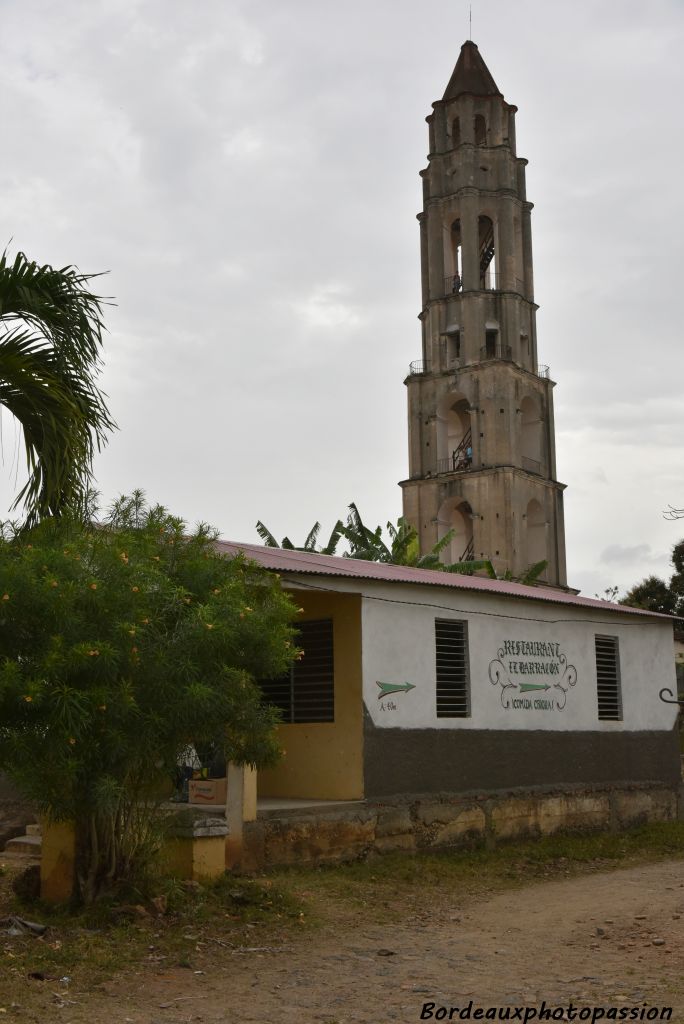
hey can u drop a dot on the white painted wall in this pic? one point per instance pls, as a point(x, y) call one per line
point(399, 646)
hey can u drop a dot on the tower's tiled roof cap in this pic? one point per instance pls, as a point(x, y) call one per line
point(471, 75)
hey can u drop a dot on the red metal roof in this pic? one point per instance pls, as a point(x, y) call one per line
point(282, 560)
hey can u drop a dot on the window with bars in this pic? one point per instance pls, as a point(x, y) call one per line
point(306, 693)
point(453, 672)
point(608, 678)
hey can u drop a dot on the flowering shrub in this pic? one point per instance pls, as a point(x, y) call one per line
point(121, 644)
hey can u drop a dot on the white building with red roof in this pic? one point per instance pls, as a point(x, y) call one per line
point(417, 681)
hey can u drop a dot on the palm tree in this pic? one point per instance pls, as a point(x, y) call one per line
point(50, 340)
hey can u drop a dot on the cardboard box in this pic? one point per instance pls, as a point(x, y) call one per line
point(211, 792)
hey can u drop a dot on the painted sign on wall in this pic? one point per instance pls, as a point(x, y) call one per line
point(534, 675)
point(387, 690)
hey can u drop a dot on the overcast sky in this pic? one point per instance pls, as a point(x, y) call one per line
point(248, 174)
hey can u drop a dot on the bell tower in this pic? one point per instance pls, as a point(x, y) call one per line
point(480, 406)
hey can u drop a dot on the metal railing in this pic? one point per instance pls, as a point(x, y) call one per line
point(496, 352)
point(491, 281)
point(452, 285)
point(451, 465)
point(417, 367)
point(531, 465)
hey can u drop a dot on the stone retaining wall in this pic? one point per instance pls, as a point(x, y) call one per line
point(316, 835)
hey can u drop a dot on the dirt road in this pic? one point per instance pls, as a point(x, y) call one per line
point(608, 939)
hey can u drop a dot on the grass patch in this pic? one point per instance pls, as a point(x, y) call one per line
point(247, 900)
point(479, 869)
point(187, 925)
point(178, 928)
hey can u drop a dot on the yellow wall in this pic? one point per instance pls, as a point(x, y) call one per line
point(198, 857)
point(325, 760)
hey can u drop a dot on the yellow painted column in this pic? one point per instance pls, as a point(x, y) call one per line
point(195, 846)
point(58, 861)
point(241, 806)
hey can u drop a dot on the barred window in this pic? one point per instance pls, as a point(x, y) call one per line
point(608, 678)
point(306, 693)
point(453, 671)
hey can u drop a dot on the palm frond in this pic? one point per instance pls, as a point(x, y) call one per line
point(312, 537)
point(403, 535)
point(533, 572)
point(443, 542)
point(57, 303)
point(470, 568)
point(54, 411)
point(266, 535)
point(333, 540)
point(50, 340)
point(364, 543)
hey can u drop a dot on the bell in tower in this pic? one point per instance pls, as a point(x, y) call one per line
point(482, 457)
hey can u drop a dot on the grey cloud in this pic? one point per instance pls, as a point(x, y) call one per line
point(615, 554)
point(250, 178)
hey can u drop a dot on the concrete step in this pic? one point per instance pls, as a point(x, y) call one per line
point(24, 844)
point(23, 860)
point(33, 830)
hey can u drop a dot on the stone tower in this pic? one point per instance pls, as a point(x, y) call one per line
point(480, 407)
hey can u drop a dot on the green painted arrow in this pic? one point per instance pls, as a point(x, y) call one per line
point(387, 688)
point(524, 687)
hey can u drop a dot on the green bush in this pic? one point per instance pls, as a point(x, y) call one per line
point(120, 645)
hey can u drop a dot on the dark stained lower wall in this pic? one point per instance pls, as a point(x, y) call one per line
point(468, 760)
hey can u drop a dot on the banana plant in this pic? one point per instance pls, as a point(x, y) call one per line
point(309, 544)
point(400, 548)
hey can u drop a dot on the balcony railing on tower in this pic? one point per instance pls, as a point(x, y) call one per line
point(417, 367)
point(492, 281)
point(496, 352)
point(461, 459)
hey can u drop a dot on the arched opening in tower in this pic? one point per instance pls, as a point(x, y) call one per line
point(456, 279)
point(454, 434)
point(530, 435)
point(456, 132)
point(525, 349)
point(480, 130)
point(457, 515)
point(452, 338)
point(535, 535)
point(487, 253)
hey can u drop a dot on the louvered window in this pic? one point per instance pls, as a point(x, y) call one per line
point(608, 678)
point(306, 693)
point(453, 675)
